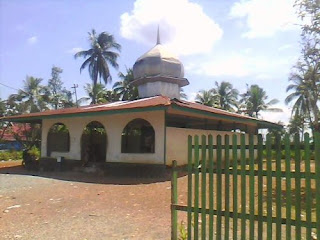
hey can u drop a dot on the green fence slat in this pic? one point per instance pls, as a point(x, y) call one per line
point(235, 185)
point(174, 200)
point(278, 187)
point(211, 195)
point(269, 187)
point(227, 188)
point(298, 186)
point(196, 187)
point(190, 164)
point(243, 185)
point(317, 171)
point(251, 186)
point(288, 185)
point(260, 187)
point(308, 184)
point(219, 187)
point(203, 186)
point(256, 179)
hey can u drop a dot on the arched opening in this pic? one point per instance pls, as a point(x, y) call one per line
point(93, 143)
point(58, 139)
point(138, 137)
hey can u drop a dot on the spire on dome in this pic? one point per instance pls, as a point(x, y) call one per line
point(158, 36)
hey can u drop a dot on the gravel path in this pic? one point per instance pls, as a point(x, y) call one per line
point(71, 205)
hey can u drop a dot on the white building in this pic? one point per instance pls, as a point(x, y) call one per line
point(151, 130)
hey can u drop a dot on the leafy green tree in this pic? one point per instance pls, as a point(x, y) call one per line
point(206, 98)
point(304, 84)
point(310, 10)
point(55, 86)
point(255, 100)
point(3, 125)
point(226, 96)
point(99, 56)
point(59, 97)
point(124, 88)
point(2, 107)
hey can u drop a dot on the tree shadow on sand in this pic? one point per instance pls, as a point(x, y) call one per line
point(120, 175)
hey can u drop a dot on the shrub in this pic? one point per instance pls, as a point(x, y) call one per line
point(10, 155)
point(34, 153)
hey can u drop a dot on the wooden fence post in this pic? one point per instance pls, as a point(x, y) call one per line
point(174, 201)
point(190, 170)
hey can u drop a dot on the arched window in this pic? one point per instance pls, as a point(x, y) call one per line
point(58, 139)
point(138, 137)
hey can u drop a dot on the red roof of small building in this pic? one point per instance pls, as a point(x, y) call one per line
point(14, 129)
point(144, 103)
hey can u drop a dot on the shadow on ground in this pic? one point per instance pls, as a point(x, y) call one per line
point(117, 176)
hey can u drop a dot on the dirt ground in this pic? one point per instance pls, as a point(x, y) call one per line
point(74, 205)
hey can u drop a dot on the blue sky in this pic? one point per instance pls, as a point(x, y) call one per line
point(241, 41)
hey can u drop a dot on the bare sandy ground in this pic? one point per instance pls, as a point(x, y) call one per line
point(70, 205)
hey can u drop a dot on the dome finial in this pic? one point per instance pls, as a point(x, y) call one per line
point(158, 36)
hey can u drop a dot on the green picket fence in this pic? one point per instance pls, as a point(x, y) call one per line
point(242, 188)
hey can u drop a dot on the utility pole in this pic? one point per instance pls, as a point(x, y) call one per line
point(75, 86)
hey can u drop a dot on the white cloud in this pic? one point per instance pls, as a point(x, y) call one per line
point(241, 65)
point(265, 17)
point(285, 47)
point(283, 116)
point(32, 40)
point(184, 27)
point(75, 50)
point(264, 76)
point(233, 65)
point(192, 96)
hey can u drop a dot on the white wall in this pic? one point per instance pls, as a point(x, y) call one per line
point(114, 125)
point(177, 142)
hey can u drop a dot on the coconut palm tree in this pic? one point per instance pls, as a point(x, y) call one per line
point(305, 93)
point(100, 54)
point(226, 96)
point(112, 96)
point(296, 125)
point(183, 95)
point(33, 97)
point(206, 98)
point(97, 93)
point(255, 99)
point(124, 88)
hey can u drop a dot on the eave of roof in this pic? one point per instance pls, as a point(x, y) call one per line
point(140, 105)
point(219, 113)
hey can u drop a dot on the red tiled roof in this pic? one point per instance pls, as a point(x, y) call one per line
point(9, 133)
point(157, 101)
point(121, 105)
point(205, 108)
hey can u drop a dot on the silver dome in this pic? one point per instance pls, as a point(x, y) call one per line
point(158, 62)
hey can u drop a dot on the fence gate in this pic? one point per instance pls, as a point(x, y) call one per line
point(242, 187)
